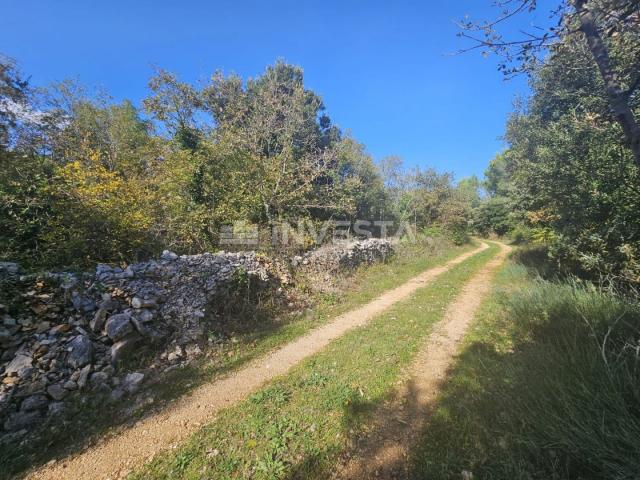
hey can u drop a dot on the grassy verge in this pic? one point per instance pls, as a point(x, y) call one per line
point(356, 289)
point(98, 419)
point(547, 387)
point(297, 425)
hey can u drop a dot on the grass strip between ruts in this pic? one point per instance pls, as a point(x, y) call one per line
point(299, 423)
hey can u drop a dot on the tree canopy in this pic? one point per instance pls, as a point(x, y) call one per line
point(86, 179)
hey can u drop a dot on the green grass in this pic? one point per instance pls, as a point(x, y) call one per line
point(355, 289)
point(534, 395)
point(98, 418)
point(300, 423)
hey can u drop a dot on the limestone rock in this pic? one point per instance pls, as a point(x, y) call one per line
point(132, 382)
point(98, 320)
point(57, 392)
point(70, 385)
point(20, 365)
point(123, 348)
point(83, 377)
point(80, 351)
point(138, 302)
point(119, 326)
point(34, 402)
point(98, 378)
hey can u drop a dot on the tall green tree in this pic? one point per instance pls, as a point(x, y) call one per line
point(14, 94)
point(571, 171)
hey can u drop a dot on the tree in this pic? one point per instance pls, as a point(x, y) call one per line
point(14, 97)
point(497, 180)
point(606, 27)
point(396, 181)
point(85, 179)
point(175, 104)
point(359, 183)
point(281, 127)
point(571, 175)
point(85, 127)
point(494, 216)
point(468, 191)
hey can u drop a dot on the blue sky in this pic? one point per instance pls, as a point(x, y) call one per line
point(382, 67)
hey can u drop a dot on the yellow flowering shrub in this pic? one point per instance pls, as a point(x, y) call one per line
point(99, 214)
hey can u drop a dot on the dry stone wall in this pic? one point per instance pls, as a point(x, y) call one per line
point(64, 336)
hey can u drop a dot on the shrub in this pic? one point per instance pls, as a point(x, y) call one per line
point(521, 235)
point(98, 215)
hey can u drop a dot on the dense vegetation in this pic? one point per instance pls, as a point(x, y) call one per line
point(86, 179)
point(569, 178)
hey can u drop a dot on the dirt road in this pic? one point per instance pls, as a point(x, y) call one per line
point(116, 456)
point(383, 452)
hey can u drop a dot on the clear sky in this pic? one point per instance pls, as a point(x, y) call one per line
point(382, 67)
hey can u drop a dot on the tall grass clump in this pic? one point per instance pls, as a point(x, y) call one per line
point(579, 356)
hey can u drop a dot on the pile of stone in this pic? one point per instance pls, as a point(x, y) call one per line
point(345, 255)
point(64, 335)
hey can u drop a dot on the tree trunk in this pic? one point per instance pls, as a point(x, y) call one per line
point(618, 97)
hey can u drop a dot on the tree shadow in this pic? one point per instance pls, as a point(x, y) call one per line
point(377, 433)
point(528, 399)
point(543, 409)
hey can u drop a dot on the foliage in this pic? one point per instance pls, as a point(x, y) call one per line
point(497, 181)
point(573, 174)
point(98, 212)
point(293, 161)
point(494, 216)
point(88, 180)
point(608, 30)
point(568, 175)
point(521, 235)
point(175, 104)
point(427, 198)
point(24, 206)
point(14, 91)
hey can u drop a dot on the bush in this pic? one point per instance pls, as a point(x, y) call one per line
point(459, 233)
point(521, 235)
point(24, 206)
point(98, 215)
